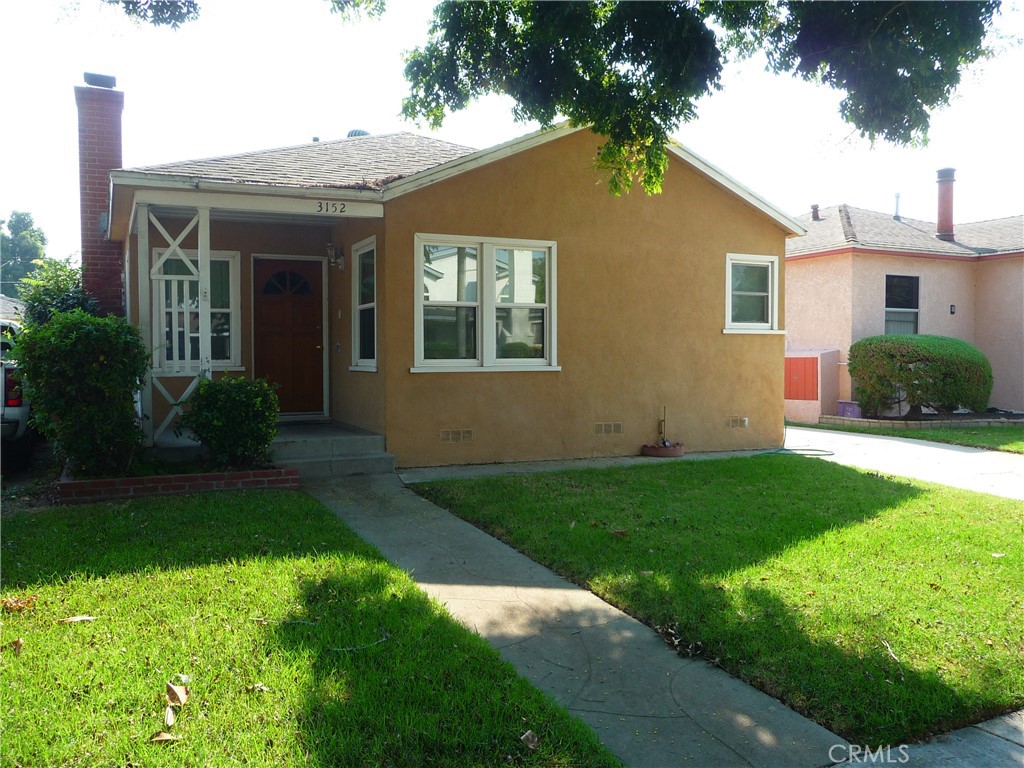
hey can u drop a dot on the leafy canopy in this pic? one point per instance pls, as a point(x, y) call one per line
point(22, 243)
point(634, 70)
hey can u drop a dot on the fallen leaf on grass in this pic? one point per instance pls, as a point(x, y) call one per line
point(13, 604)
point(530, 739)
point(177, 695)
point(934, 586)
point(76, 619)
point(257, 688)
point(169, 717)
point(998, 554)
point(160, 737)
point(14, 645)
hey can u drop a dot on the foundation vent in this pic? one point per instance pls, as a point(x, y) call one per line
point(456, 435)
point(608, 428)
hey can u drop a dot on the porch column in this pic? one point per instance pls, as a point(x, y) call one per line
point(145, 319)
point(205, 341)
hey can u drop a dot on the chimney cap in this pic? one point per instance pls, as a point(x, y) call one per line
point(946, 173)
point(100, 81)
point(815, 216)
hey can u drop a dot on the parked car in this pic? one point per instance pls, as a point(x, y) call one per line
point(17, 436)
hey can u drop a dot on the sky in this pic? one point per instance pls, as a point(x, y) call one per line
point(259, 74)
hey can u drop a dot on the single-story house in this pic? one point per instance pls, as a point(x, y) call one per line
point(858, 273)
point(469, 306)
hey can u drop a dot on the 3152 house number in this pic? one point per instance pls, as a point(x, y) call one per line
point(324, 206)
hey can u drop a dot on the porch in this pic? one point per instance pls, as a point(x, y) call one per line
point(316, 450)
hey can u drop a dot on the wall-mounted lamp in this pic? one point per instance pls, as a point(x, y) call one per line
point(336, 256)
point(952, 309)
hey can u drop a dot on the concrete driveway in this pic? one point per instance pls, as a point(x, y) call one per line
point(972, 469)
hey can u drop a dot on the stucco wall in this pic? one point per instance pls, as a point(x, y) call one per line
point(1000, 328)
point(641, 306)
point(819, 312)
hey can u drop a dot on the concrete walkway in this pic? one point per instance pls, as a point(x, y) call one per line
point(648, 705)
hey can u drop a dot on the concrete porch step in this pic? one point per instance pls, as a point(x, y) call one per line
point(326, 450)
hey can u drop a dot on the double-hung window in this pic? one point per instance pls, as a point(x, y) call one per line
point(484, 303)
point(902, 295)
point(364, 305)
point(752, 293)
point(176, 310)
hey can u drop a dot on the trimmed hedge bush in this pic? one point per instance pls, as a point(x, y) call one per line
point(235, 419)
point(935, 372)
point(82, 373)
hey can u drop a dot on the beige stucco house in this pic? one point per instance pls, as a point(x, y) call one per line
point(858, 273)
point(470, 306)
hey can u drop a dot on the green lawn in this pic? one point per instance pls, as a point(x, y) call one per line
point(1009, 439)
point(887, 610)
point(299, 644)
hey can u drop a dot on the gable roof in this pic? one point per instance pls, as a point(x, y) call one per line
point(842, 227)
point(387, 165)
point(357, 162)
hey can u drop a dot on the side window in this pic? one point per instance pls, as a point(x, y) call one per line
point(751, 298)
point(364, 305)
point(902, 294)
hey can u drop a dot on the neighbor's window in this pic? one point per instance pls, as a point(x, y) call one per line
point(752, 295)
point(176, 308)
point(364, 305)
point(484, 303)
point(901, 303)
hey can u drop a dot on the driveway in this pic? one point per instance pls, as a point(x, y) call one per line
point(972, 469)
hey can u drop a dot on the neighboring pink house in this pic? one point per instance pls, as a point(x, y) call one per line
point(859, 273)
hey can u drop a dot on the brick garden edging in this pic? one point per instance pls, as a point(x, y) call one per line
point(845, 421)
point(83, 491)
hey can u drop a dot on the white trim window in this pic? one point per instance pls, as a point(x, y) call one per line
point(364, 305)
point(176, 310)
point(902, 303)
point(484, 303)
point(751, 293)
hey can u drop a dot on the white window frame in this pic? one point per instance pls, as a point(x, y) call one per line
point(360, 363)
point(487, 306)
point(163, 366)
point(750, 259)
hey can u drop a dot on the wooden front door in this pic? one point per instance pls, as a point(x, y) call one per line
point(288, 331)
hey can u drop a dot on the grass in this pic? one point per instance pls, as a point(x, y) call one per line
point(299, 644)
point(1009, 439)
point(886, 610)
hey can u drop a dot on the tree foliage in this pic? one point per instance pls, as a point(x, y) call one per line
point(54, 286)
point(21, 244)
point(634, 70)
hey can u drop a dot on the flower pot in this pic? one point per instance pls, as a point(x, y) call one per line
point(662, 451)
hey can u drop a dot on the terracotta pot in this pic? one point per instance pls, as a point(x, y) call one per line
point(662, 451)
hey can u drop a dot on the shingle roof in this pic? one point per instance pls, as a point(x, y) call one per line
point(358, 162)
point(843, 226)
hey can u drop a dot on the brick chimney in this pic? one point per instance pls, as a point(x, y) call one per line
point(99, 152)
point(944, 224)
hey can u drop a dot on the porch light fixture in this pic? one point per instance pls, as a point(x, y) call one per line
point(336, 256)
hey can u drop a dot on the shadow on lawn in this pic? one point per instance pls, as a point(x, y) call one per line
point(172, 532)
point(661, 541)
point(395, 681)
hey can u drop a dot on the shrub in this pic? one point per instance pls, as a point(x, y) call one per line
point(235, 419)
point(927, 371)
point(54, 286)
point(82, 374)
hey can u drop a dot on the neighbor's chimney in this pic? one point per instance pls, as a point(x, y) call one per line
point(99, 152)
point(944, 225)
point(814, 213)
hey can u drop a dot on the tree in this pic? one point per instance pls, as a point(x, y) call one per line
point(22, 244)
point(634, 70)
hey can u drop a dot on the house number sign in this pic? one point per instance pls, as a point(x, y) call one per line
point(329, 206)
